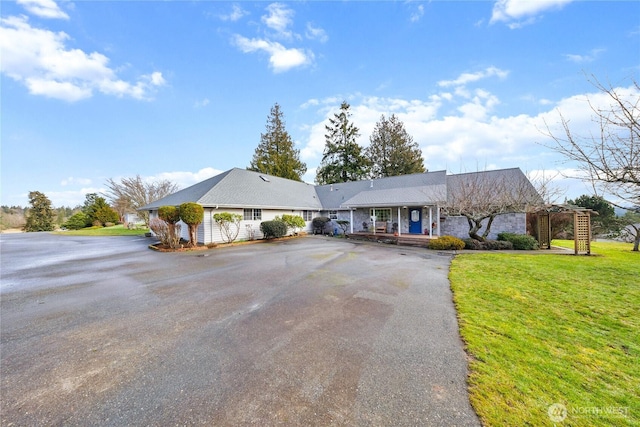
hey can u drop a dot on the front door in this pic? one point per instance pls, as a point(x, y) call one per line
point(415, 220)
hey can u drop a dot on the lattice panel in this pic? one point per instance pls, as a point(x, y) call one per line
point(544, 231)
point(582, 231)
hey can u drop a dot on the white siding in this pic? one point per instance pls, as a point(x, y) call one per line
point(211, 231)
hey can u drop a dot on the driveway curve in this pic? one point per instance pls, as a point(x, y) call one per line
point(306, 331)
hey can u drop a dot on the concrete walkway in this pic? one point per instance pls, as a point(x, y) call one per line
point(308, 331)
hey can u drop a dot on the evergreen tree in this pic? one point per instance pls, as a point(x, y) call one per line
point(392, 151)
point(343, 159)
point(276, 155)
point(603, 223)
point(97, 210)
point(40, 215)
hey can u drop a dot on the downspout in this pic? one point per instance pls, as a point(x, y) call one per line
point(211, 226)
point(212, 222)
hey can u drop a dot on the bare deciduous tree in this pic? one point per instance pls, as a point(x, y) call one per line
point(545, 185)
point(135, 193)
point(611, 158)
point(481, 196)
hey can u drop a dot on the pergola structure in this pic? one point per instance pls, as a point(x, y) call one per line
point(581, 226)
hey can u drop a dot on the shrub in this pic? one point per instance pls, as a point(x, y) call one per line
point(229, 224)
point(192, 214)
point(294, 221)
point(273, 229)
point(522, 242)
point(104, 215)
point(161, 229)
point(446, 243)
point(321, 225)
point(169, 214)
point(76, 222)
point(343, 224)
point(473, 244)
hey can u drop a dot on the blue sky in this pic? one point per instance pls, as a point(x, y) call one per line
point(181, 90)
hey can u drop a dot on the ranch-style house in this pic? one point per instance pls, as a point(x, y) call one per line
point(408, 204)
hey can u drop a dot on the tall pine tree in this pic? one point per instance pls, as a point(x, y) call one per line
point(276, 155)
point(392, 151)
point(40, 214)
point(343, 159)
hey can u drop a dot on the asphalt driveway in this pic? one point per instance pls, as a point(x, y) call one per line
point(308, 331)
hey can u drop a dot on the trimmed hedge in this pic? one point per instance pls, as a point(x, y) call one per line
point(488, 245)
point(446, 243)
point(273, 229)
point(521, 242)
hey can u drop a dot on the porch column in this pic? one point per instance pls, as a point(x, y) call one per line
point(399, 223)
point(430, 221)
point(373, 221)
point(351, 220)
point(438, 219)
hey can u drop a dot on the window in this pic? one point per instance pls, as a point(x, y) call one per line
point(333, 214)
point(307, 215)
point(252, 214)
point(382, 215)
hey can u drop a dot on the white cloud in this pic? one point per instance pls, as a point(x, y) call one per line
point(73, 198)
point(201, 103)
point(184, 178)
point(280, 58)
point(44, 9)
point(460, 131)
point(40, 59)
point(279, 18)
point(236, 13)
point(316, 33)
point(517, 13)
point(75, 181)
point(580, 59)
point(466, 78)
point(417, 14)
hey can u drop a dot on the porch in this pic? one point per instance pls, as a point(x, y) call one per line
point(405, 220)
point(419, 240)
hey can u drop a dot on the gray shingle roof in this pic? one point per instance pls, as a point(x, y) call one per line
point(411, 196)
point(336, 196)
point(242, 188)
point(513, 178)
point(239, 188)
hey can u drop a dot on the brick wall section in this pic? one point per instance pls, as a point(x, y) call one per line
point(459, 227)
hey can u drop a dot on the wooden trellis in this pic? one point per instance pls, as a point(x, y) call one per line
point(582, 233)
point(581, 227)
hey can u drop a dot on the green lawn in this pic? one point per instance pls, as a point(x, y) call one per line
point(542, 329)
point(116, 230)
